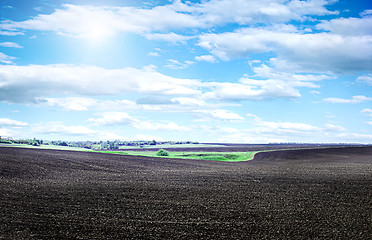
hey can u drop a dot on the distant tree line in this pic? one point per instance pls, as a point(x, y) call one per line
point(94, 145)
point(34, 142)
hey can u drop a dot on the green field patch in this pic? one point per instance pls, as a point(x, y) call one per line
point(210, 156)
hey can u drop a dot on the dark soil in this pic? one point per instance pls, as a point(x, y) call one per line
point(300, 194)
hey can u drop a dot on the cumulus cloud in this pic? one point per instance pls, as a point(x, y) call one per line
point(123, 118)
point(217, 114)
point(175, 64)
point(354, 138)
point(336, 50)
point(264, 131)
point(155, 126)
point(189, 101)
point(11, 33)
point(353, 100)
point(6, 59)
point(113, 118)
point(367, 111)
point(153, 54)
point(334, 128)
point(10, 44)
point(143, 137)
point(206, 58)
point(168, 37)
point(84, 104)
point(250, 89)
point(282, 127)
point(275, 85)
point(366, 79)
point(57, 130)
point(7, 132)
point(90, 21)
point(347, 26)
point(70, 103)
point(319, 52)
point(27, 83)
point(150, 103)
point(60, 129)
point(12, 123)
point(36, 83)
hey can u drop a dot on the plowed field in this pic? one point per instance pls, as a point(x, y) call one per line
point(298, 194)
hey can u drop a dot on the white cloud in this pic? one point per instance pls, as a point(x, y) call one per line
point(318, 52)
point(175, 64)
point(218, 114)
point(264, 131)
point(148, 137)
point(334, 128)
point(12, 123)
point(365, 78)
point(169, 37)
point(353, 100)
point(153, 54)
point(10, 44)
point(27, 83)
point(11, 33)
point(7, 132)
point(367, 111)
point(311, 7)
point(154, 126)
point(70, 103)
point(276, 85)
point(206, 58)
point(122, 118)
point(60, 129)
point(57, 130)
point(90, 21)
point(281, 128)
point(347, 26)
point(36, 83)
point(6, 59)
point(366, 12)
point(189, 101)
point(84, 104)
point(251, 90)
point(315, 92)
point(113, 118)
point(354, 138)
point(154, 103)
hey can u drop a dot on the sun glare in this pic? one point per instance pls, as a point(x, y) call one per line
point(96, 34)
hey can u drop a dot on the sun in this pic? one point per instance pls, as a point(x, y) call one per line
point(96, 33)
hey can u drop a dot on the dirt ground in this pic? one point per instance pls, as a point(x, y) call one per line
point(300, 194)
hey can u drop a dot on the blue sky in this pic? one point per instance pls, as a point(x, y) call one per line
point(240, 71)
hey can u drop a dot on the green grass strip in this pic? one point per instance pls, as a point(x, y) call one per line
point(209, 156)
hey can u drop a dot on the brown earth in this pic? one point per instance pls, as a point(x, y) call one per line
point(298, 194)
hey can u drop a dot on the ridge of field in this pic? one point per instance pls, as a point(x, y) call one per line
point(206, 151)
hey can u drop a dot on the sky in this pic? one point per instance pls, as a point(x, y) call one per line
point(235, 71)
